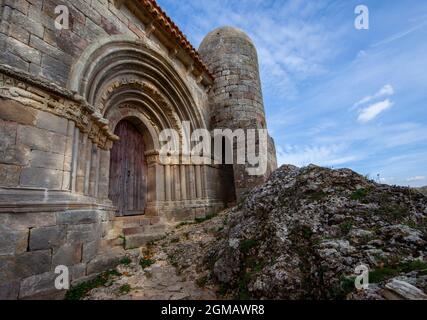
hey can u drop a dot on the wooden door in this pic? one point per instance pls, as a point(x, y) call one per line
point(128, 178)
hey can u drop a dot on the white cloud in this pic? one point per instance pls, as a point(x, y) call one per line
point(371, 112)
point(416, 178)
point(385, 91)
point(333, 155)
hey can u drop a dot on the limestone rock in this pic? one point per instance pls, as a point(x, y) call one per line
point(406, 290)
point(302, 234)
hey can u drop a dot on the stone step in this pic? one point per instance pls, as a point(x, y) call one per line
point(138, 240)
point(128, 231)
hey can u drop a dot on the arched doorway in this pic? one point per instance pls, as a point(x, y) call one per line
point(128, 171)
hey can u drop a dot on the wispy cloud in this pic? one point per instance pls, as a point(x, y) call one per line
point(385, 91)
point(371, 112)
point(330, 155)
point(416, 178)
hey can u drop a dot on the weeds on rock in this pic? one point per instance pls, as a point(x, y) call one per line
point(247, 245)
point(145, 263)
point(346, 227)
point(359, 194)
point(81, 290)
point(125, 289)
point(125, 261)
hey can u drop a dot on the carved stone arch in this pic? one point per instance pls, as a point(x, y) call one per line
point(148, 129)
point(126, 90)
point(120, 55)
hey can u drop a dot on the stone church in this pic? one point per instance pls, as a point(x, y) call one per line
point(81, 110)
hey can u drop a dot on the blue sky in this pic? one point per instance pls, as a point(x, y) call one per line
point(334, 96)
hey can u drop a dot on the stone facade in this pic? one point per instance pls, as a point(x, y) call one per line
point(62, 94)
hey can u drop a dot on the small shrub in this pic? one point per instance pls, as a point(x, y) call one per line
point(347, 285)
point(317, 196)
point(359, 194)
point(125, 289)
point(346, 227)
point(247, 245)
point(381, 274)
point(145, 263)
point(125, 261)
point(183, 224)
point(415, 265)
point(201, 282)
point(81, 290)
point(207, 218)
point(124, 241)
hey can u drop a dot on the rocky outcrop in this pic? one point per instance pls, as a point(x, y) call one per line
point(423, 190)
point(302, 234)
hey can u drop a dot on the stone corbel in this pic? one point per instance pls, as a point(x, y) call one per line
point(150, 29)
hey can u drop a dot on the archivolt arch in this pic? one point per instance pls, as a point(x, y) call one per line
point(120, 70)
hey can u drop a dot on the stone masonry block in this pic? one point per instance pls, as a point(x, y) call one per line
point(55, 70)
point(14, 154)
point(67, 255)
point(78, 217)
point(41, 178)
point(103, 263)
point(47, 160)
point(82, 233)
point(47, 238)
point(24, 265)
point(78, 272)
point(41, 139)
point(11, 110)
point(19, 34)
point(9, 175)
point(90, 250)
point(12, 241)
point(21, 5)
point(51, 122)
point(24, 51)
point(40, 286)
point(24, 221)
point(9, 290)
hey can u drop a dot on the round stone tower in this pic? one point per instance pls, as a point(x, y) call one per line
point(236, 97)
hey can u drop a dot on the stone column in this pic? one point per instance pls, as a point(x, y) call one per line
point(183, 183)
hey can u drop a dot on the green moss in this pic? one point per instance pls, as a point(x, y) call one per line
point(243, 293)
point(390, 271)
point(359, 194)
point(346, 227)
point(201, 282)
point(318, 196)
point(183, 224)
point(393, 212)
point(125, 289)
point(125, 261)
point(247, 245)
point(81, 290)
point(346, 286)
point(306, 232)
point(124, 241)
point(145, 263)
point(381, 274)
point(416, 265)
point(207, 218)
